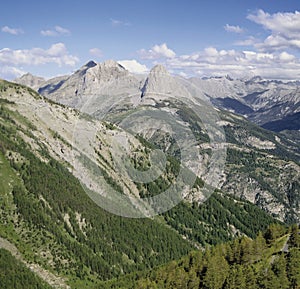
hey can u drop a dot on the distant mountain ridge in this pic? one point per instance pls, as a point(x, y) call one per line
point(261, 101)
point(108, 89)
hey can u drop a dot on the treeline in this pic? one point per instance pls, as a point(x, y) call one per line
point(264, 262)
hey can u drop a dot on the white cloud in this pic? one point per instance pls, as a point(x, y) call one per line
point(57, 31)
point(250, 41)
point(157, 51)
point(286, 23)
point(96, 52)
point(10, 72)
point(116, 22)
point(57, 53)
point(284, 28)
point(238, 64)
point(286, 57)
point(232, 28)
point(134, 66)
point(13, 31)
point(278, 42)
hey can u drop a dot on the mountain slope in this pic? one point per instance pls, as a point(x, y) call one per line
point(53, 222)
point(262, 262)
point(261, 167)
point(290, 122)
point(49, 217)
point(13, 274)
point(101, 79)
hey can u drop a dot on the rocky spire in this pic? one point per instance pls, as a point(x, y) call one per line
point(161, 83)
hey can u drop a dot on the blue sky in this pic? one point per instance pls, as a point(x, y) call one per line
point(203, 38)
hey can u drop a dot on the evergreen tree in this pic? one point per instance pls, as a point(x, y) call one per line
point(246, 250)
point(273, 232)
point(294, 240)
point(279, 268)
point(236, 278)
point(193, 280)
point(294, 268)
point(217, 272)
point(267, 278)
point(250, 276)
point(259, 245)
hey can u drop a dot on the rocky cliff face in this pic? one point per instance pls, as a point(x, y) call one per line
point(259, 100)
point(160, 82)
point(30, 80)
point(91, 84)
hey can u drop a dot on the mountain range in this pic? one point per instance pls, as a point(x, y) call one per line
point(261, 101)
point(107, 91)
point(80, 152)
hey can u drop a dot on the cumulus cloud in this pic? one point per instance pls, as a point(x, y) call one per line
point(134, 66)
point(284, 28)
point(96, 52)
point(286, 23)
point(13, 31)
point(10, 72)
point(249, 41)
point(212, 61)
point(117, 22)
point(157, 52)
point(57, 31)
point(57, 53)
point(232, 28)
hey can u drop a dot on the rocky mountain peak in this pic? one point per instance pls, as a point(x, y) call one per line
point(111, 64)
point(30, 80)
point(159, 69)
point(91, 63)
point(108, 70)
point(160, 83)
point(82, 70)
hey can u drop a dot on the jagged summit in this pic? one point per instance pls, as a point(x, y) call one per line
point(91, 63)
point(83, 69)
point(256, 98)
point(110, 63)
point(160, 84)
point(108, 70)
point(159, 69)
point(30, 80)
point(92, 80)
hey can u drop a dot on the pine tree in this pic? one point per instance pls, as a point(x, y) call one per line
point(279, 268)
point(273, 232)
point(250, 276)
point(193, 280)
point(294, 268)
point(294, 240)
point(236, 278)
point(259, 245)
point(267, 278)
point(246, 250)
point(217, 272)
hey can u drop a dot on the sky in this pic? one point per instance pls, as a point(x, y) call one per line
point(201, 38)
